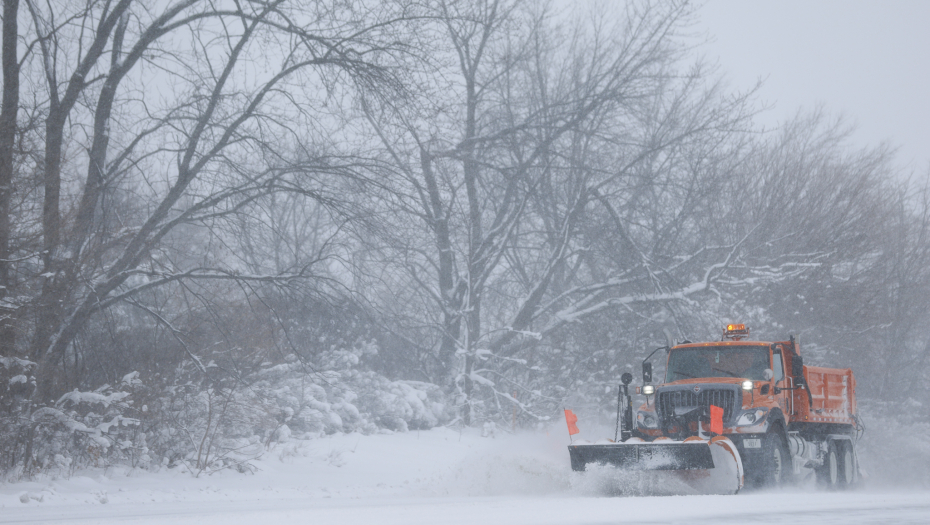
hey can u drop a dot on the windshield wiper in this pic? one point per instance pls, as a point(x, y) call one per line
point(731, 374)
point(684, 374)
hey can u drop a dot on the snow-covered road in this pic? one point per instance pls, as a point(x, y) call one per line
point(790, 507)
point(436, 477)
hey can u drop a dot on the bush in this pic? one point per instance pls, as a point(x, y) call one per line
point(204, 422)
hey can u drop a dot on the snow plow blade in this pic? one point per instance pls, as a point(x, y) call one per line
point(693, 466)
point(643, 456)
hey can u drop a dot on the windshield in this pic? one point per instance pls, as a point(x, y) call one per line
point(745, 361)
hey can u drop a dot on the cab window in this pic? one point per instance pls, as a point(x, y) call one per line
point(777, 364)
point(743, 361)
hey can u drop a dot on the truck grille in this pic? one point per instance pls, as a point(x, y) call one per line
point(685, 397)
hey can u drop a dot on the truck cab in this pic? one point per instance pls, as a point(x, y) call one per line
point(745, 378)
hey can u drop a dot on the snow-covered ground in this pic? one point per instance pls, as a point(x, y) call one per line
point(436, 476)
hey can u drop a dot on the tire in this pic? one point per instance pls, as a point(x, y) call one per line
point(776, 461)
point(846, 463)
point(828, 474)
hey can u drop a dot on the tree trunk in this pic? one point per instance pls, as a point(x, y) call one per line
point(7, 141)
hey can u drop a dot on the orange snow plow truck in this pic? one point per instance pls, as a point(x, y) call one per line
point(735, 411)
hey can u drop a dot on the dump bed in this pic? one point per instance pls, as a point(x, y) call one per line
point(832, 396)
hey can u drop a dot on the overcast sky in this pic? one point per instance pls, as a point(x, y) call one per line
point(868, 60)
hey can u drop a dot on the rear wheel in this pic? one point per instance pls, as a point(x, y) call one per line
point(846, 463)
point(828, 474)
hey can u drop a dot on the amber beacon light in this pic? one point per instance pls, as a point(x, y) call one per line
point(735, 331)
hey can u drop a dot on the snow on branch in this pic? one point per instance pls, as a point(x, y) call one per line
point(97, 397)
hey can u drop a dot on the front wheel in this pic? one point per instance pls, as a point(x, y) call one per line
point(776, 462)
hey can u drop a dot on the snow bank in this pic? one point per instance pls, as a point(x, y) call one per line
point(434, 463)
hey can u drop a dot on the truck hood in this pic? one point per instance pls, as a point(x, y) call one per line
point(705, 381)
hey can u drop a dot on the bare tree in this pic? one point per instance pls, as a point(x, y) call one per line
point(171, 135)
point(505, 177)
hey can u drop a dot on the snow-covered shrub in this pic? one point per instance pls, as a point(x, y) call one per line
point(80, 429)
point(17, 383)
point(216, 420)
point(208, 427)
point(212, 412)
point(401, 405)
point(347, 400)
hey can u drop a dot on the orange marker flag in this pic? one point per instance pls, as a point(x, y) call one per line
point(571, 419)
point(716, 419)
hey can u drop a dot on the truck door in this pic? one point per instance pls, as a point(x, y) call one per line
point(784, 398)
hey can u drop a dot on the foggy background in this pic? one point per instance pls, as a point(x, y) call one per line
point(224, 224)
point(859, 59)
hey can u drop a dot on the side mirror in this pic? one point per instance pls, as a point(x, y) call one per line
point(768, 374)
point(647, 372)
point(797, 366)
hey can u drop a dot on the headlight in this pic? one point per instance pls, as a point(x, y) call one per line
point(646, 420)
point(751, 417)
point(649, 390)
point(747, 385)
